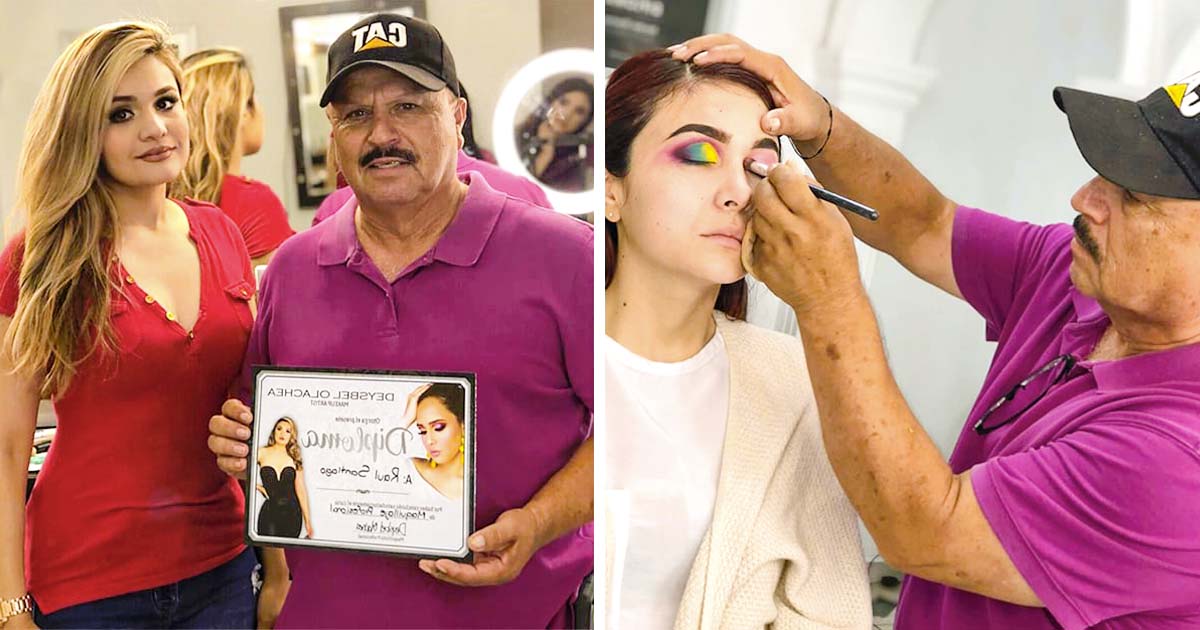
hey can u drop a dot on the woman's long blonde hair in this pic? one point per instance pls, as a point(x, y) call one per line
point(293, 446)
point(218, 89)
point(62, 313)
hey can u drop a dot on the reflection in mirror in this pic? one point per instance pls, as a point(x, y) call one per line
point(537, 129)
point(308, 30)
point(554, 131)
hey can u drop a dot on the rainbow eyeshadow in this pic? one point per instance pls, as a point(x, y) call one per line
point(698, 152)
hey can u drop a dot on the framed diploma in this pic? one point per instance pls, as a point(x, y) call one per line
point(363, 461)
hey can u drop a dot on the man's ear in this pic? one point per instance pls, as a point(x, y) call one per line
point(614, 196)
point(460, 118)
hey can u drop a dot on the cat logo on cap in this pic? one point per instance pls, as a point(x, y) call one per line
point(1185, 96)
point(380, 35)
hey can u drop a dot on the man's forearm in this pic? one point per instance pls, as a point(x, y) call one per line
point(888, 466)
point(565, 502)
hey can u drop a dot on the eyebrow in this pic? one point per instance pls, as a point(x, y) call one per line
point(160, 92)
point(723, 137)
point(711, 132)
point(767, 143)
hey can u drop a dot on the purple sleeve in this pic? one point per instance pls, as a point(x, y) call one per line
point(537, 196)
point(1101, 523)
point(994, 257)
point(331, 204)
point(578, 329)
point(257, 351)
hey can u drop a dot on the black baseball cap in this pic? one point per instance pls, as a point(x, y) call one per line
point(408, 45)
point(1150, 146)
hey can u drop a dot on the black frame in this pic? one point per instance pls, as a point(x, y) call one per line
point(1063, 362)
point(470, 450)
point(287, 15)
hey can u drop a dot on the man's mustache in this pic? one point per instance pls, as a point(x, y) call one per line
point(387, 152)
point(1085, 238)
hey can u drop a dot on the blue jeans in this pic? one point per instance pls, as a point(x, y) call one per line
point(220, 598)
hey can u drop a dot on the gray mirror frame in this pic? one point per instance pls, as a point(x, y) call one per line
point(287, 15)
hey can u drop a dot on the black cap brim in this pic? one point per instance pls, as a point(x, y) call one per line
point(1118, 143)
point(421, 77)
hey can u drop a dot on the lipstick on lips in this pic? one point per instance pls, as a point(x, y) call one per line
point(157, 154)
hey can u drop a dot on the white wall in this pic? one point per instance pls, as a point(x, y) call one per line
point(490, 41)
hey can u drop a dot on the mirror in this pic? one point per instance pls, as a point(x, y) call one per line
point(308, 30)
point(544, 127)
point(554, 131)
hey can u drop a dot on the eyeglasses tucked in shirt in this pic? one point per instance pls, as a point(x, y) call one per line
point(1052, 373)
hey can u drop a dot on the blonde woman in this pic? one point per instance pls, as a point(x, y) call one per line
point(227, 125)
point(282, 484)
point(131, 312)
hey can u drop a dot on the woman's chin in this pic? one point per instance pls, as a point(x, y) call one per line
point(727, 271)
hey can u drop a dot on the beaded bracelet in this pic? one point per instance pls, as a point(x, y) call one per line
point(827, 133)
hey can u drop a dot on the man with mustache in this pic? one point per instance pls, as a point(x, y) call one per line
point(438, 272)
point(1072, 499)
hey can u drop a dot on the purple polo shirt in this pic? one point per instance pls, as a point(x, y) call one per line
point(1094, 492)
point(506, 293)
point(498, 178)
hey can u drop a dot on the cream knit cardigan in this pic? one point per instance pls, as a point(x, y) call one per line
point(783, 549)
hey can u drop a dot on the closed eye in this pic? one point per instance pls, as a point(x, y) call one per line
point(698, 153)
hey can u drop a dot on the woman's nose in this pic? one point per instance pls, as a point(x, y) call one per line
point(154, 127)
point(735, 189)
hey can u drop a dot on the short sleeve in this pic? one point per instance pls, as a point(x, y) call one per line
point(1101, 523)
point(995, 257)
point(259, 215)
point(10, 274)
point(234, 254)
point(331, 204)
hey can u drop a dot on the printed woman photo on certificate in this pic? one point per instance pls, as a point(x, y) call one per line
point(437, 418)
point(364, 461)
point(281, 483)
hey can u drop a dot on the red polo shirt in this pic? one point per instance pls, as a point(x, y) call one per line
point(130, 497)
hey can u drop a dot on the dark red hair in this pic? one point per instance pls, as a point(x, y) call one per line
point(633, 91)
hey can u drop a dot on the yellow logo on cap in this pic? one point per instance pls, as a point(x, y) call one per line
point(377, 43)
point(1177, 91)
point(1185, 96)
point(380, 35)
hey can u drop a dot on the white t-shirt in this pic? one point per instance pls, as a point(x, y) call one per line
point(666, 428)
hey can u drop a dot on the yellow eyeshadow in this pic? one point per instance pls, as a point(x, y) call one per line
point(701, 152)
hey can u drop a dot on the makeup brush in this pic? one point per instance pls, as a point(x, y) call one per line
point(761, 169)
